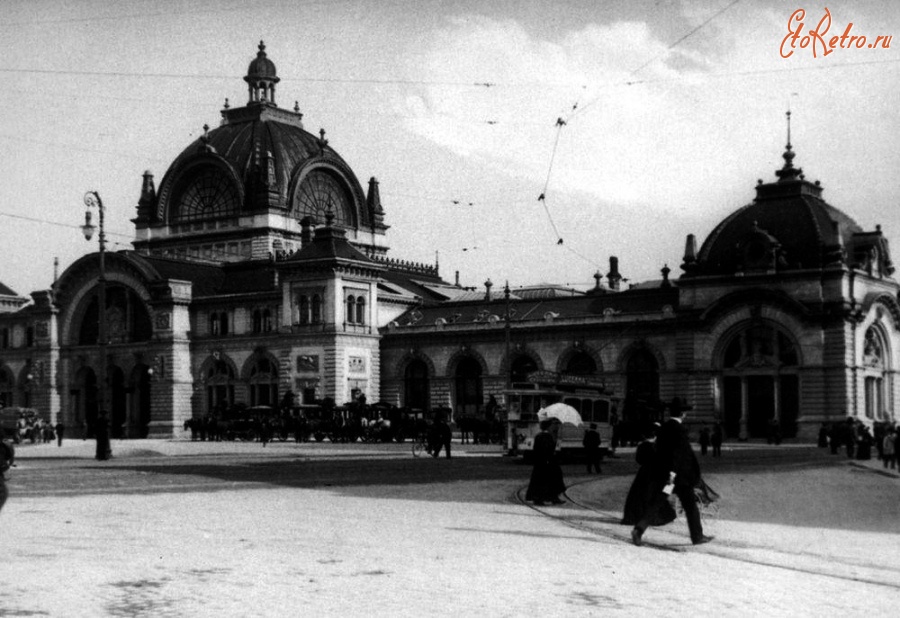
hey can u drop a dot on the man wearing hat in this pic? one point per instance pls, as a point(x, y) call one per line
point(677, 471)
point(591, 443)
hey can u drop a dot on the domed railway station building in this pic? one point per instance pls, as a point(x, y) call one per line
point(260, 265)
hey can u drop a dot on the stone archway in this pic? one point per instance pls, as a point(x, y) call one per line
point(760, 384)
point(467, 387)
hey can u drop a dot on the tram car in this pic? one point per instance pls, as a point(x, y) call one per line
point(526, 404)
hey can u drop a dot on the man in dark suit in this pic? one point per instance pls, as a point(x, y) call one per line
point(676, 465)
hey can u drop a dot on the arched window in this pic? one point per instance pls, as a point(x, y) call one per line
point(360, 310)
point(208, 194)
point(351, 309)
point(218, 323)
point(262, 321)
point(415, 385)
point(7, 387)
point(303, 308)
point(316, 309)
point(263, 383)
point(127, 317)
point(322, 193)
point(875, 363)
point(219, 387)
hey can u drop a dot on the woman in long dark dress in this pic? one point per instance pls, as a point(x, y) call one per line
point(546, 476)
point(644, 488)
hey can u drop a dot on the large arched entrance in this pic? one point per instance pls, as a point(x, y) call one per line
point(641, 406)
point(263, 382)
point(468, 387)
point(760, 383)
point(415, 385)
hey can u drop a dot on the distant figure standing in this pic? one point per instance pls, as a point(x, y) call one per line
point(704, 440)
point(823, 436)
point(889, 449)
point(546, 476)
point(60, 429)
point(7, 458)
point(677, 471)
point(441, 436)
point(835, 437)
point(591, 443)
point(104, 450)
point(716, 440)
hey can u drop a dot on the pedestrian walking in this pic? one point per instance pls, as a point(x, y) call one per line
point(546, 483)
point(441, 436)
point(104, 450)
point(823, 436)
point(676, 471)
point(7, 460)
point(60, 429)
point(889, 449)
point(716, 440)
point(836, 437)
point(642, 492)
point(704, 440)
point(592, 453)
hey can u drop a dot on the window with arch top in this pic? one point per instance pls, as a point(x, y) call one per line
point(208, 194)
point(321, 192)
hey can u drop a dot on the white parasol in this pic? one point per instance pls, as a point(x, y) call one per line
point(562, 412)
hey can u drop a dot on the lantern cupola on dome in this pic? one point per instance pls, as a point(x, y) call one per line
point(261, 78)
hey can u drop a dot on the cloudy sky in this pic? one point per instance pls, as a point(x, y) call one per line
point(639, 121)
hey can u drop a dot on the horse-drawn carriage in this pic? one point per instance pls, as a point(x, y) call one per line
point(20, 424)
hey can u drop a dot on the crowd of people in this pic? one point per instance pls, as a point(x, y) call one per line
point(856, 440)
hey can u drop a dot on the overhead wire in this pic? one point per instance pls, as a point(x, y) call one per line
point(561, 122)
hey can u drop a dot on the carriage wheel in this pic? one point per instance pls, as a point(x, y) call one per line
point(418, 448)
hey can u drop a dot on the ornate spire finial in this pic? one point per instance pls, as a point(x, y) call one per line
point(262, 47)
point(322, 141)
point(788, 172)
point(227, 104)
point(205, 139)
point(788, 114)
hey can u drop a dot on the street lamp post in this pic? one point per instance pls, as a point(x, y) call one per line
point(101, 430)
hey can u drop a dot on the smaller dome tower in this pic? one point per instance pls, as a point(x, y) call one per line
point(261, 78)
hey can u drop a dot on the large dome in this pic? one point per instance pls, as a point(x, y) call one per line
point(260, 159)
point(788, 226)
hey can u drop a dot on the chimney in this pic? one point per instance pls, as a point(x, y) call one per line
point(614, 277)
point(305, 231)
point(690, 252)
